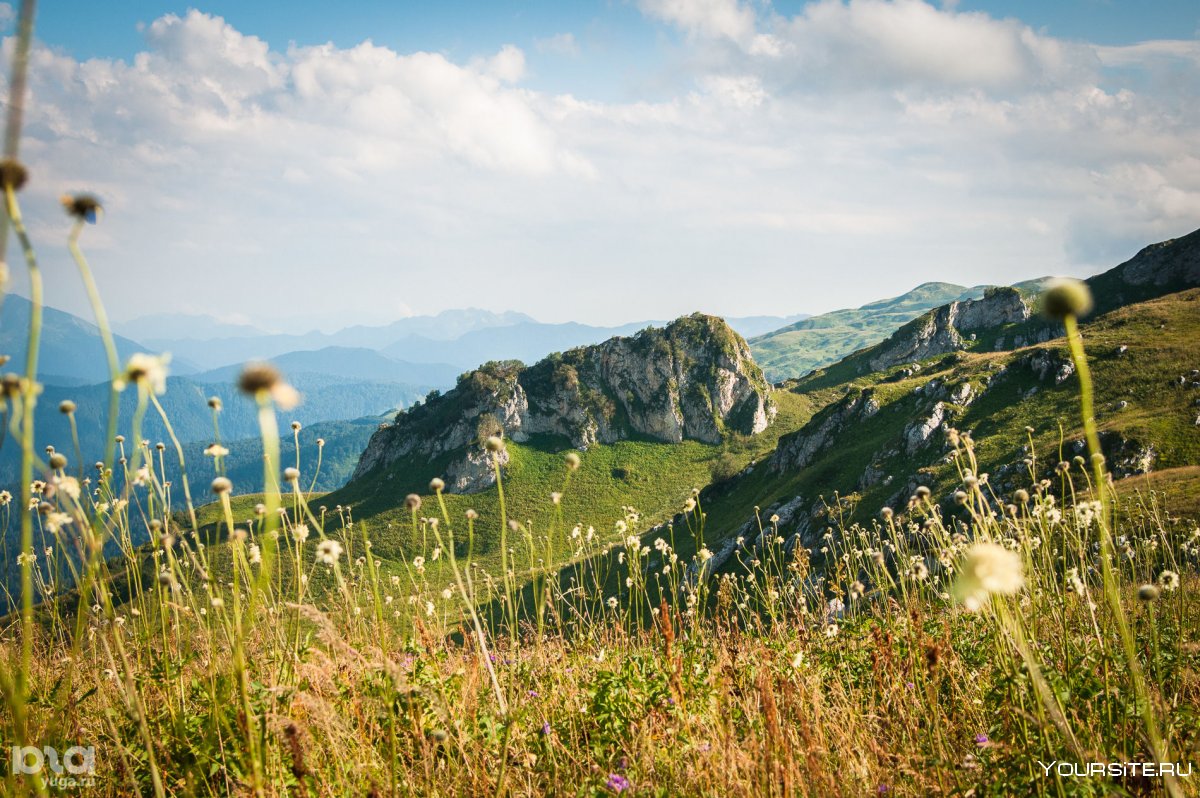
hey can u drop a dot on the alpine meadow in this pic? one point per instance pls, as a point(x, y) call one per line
point(302, 495)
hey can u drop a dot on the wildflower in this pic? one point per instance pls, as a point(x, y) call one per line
point(546, 728)
point(919, 570)
point(617, 783)
point(215, 403)
point(329, 551)
point(447, 594)
point(291, 474)
point(981, 739)
point(13, 173)
point(413, 502)
point(1169, 580)
point(556, 497)
point(987, 569)
point(419, 564)
point(221, 485)
point(857, 589)
point(1066, 297)
point(572, 461)
point(83, 207)
point(264, 380)
point(831, 630)
point(798, 660)
point(1147, 593)
point(300, 532)
point(66, 407)
point(69, 486)
point(436, 485)
point(612, 602)
point(255, 554)
point(429, 608)
point(494, 444)
point(215, 450)
point(704, 554)
point(148, 369)
point(471, 515)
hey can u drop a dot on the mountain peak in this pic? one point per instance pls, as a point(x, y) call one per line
point(693, 379)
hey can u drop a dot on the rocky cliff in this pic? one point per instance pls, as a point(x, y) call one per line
point(694, 379)
point(946, 329)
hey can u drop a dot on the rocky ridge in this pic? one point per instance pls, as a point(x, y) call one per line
point(692, 380)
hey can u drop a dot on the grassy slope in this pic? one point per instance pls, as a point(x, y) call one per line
point(653, 477)
point(1160, 335)
point(823, 340)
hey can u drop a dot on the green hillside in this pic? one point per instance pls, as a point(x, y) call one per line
point(818, 341)
point(1147, 406)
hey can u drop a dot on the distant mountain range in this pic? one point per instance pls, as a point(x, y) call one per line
point(71, 352)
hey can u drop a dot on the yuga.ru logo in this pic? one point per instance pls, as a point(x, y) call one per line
point(1118, 769)
point(74, 768)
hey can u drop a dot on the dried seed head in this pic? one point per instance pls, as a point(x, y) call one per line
point(436, 485)
point(494, 444)
point(11, 384)
point(13, 173)
point(66, 407)
point(58, 461)
point(221, 485)
point(1147, 593)
point(413, 502)
point(1067, 297)
point(291, 474)
point(572, 461)
point(257, 378)
point(295, 426)
point(215, 403)
point(84, 207)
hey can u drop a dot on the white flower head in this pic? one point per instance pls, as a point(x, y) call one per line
point(988, 569)
point(329, 551)
point(151, 369)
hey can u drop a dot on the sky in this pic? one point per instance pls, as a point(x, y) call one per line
point(299, 167)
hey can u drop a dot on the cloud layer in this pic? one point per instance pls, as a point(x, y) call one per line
point(797, 163)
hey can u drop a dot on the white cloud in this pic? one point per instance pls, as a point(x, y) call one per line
point(858, 146)
point(559, 44)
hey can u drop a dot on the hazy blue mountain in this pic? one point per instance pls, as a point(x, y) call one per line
point(212, 351)
point(351, 363)
point(750, 326)
point(71, 350)
point(326, 398)
point(527, 342)
point(170, 326)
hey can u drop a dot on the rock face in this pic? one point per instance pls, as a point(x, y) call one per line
point(799, 449)
point(946, 329)
point(694, 379)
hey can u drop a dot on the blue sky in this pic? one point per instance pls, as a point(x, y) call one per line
point(604, 161)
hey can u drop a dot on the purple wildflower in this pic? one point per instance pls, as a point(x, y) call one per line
point(981, 739)
point(617, 783)
point(546, 728)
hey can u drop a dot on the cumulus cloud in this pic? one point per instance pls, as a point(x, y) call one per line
point(859, 143)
